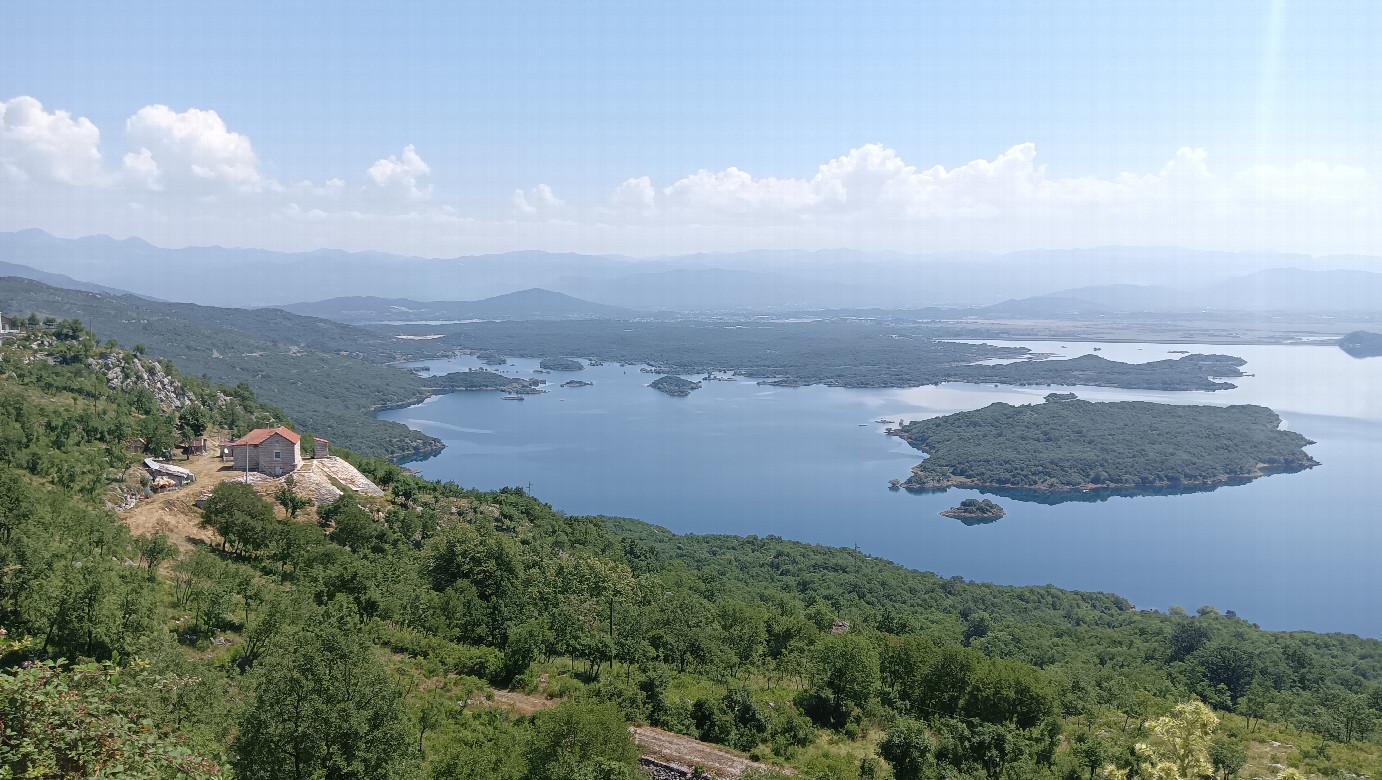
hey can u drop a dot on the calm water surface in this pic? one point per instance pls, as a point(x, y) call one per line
point(1290, 551)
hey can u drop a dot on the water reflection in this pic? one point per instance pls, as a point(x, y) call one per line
point(1095, 495)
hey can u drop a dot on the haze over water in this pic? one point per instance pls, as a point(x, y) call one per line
point(1289, 551)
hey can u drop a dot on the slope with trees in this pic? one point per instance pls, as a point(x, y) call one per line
point(357, 640)
point(329, 392)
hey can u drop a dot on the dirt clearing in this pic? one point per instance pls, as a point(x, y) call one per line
point(682, 752)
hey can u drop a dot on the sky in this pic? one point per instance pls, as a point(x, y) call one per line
point(652, 128)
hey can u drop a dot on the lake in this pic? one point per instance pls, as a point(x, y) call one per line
point(1288, 551)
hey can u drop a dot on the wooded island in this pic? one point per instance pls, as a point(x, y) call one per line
point(1080, 445)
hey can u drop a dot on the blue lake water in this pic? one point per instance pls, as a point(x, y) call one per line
point(1289, 551)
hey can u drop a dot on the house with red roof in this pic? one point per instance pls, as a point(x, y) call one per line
point(272, 451)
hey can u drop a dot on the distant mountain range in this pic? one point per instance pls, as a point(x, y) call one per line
point(1275, 290)
point(1113, 279)
point(533, 304)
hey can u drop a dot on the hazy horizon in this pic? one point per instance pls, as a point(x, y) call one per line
point(438, 131)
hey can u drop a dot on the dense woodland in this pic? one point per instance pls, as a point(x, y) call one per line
point(1073, 444)
point(844, 353)
point(364, 638)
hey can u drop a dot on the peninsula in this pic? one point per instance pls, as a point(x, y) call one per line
point(674, 385)
point(1067, 445)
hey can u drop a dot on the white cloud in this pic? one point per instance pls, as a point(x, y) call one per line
point(402, 174)
point(537, 202)
point(187, 178)
point(193, 144)
point(35, 143)
point(635, 196)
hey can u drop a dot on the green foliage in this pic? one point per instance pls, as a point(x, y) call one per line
point(63, 722)
point(323, 704)
point(244, 521)
point(580, 740)
point(674, 385)
point(844, 672)
point(1075, 444)
point(1227, 757)
point(708, 635)
point(907, 748)
point(328, 376)
point(561, 364)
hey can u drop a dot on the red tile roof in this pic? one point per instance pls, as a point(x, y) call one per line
point(258, 435)
point(318, 438)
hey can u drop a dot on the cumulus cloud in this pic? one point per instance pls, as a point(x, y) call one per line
point(36, 143)
point(537, 202)
point(185, 177)
point(402, 174)
point(635, 196)
point(192, 144)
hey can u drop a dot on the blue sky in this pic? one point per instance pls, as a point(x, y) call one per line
point(582, 97)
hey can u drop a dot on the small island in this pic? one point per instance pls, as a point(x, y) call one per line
point(1050, 397)
point(1074, 445)
point(674, 385)
point(576, 383)
point(561, 364)
point(491, 359)
point(1362, 344)
point(974, 509)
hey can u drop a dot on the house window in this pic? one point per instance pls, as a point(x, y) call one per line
point(277, 454)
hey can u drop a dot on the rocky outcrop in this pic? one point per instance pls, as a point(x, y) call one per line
point(124, 371)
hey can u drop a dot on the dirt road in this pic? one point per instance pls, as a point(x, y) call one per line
point(675, 749)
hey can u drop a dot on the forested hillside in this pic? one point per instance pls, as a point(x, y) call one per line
point(328, 376)
point(375, 637)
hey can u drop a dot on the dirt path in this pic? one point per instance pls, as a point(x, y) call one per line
point(687, 753)
point(682, 752)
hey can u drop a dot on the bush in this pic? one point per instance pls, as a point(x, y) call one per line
point(789, 731)
point(580, 740)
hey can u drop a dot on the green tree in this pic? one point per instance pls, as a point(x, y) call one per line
point(159, 435)
point(844, 667)
point(193, 421)
point(1090, 752)
point(744, 631)
point(244, 520)
point(580, 739)
point(1227, 757)
point(154, 551)
point(288, 498)
point(907, 748)
point(324, 706)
